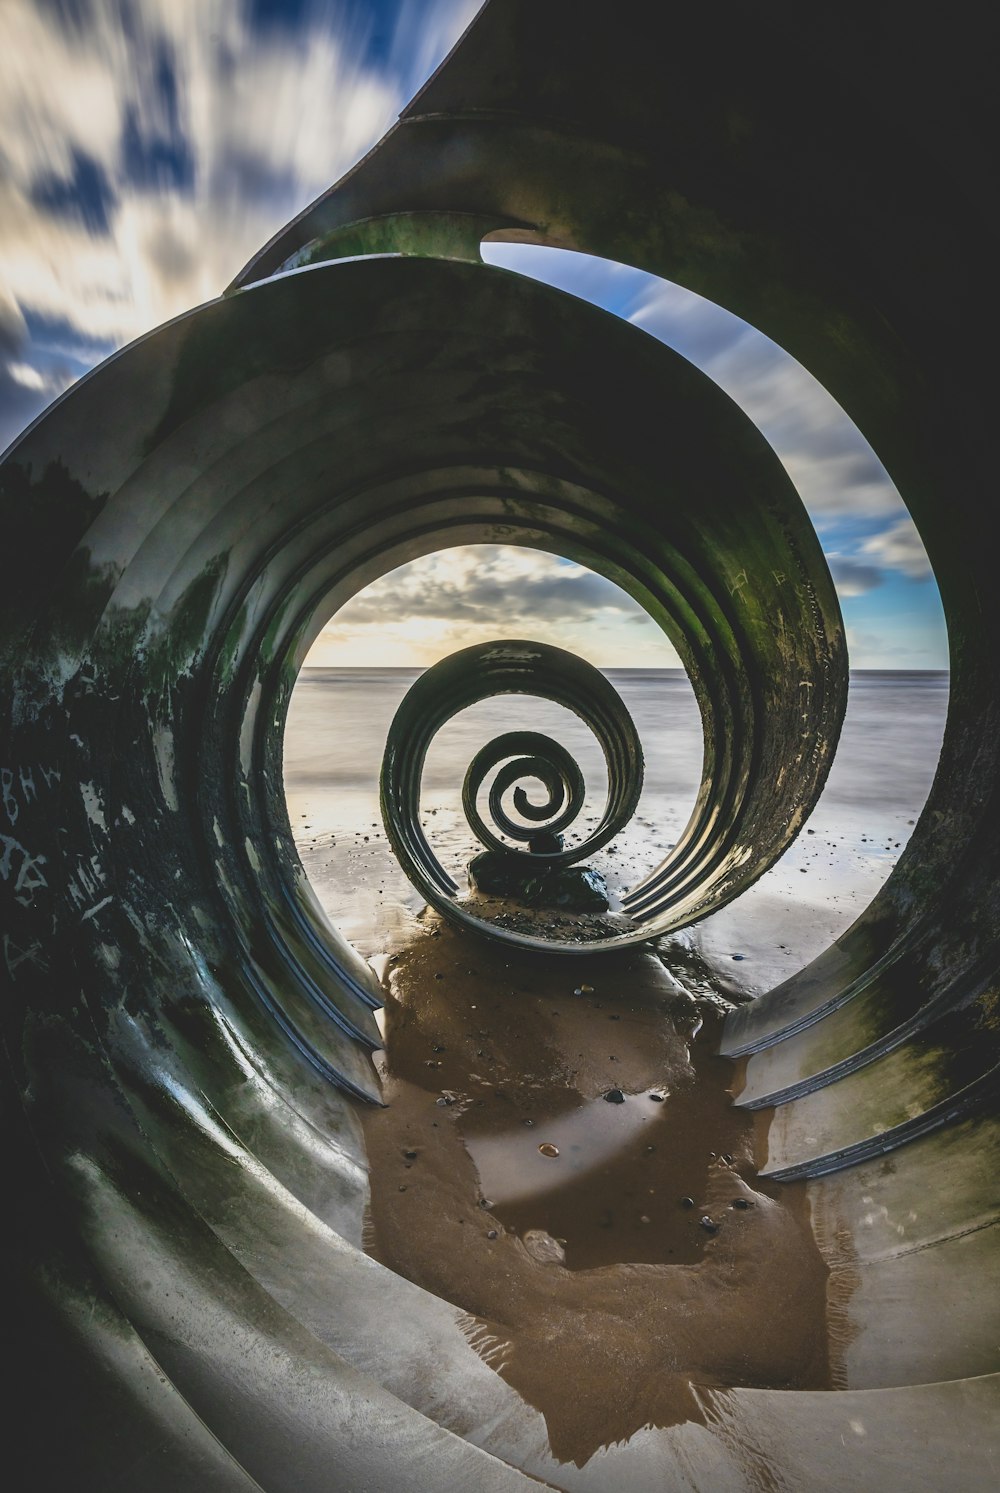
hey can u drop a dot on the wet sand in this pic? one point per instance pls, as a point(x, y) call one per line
point(567, 1224)
point(586, 1280)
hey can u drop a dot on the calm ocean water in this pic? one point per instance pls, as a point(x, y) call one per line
point(885, 762)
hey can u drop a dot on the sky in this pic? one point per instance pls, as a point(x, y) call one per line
point(149, 147)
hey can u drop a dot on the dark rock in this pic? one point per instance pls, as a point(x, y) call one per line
point(687, 1202)
point(615, 1096)
point(523, 879)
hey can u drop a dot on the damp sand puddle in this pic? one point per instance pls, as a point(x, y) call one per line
point(595, 1184)
point(643, 1260)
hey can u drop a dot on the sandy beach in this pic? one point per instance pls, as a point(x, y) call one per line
point(558, 1155)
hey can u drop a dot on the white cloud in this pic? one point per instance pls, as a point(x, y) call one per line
point(832, 466)
point(457, 597)
point(260, 123)
point(900, 548)
point(26, 376)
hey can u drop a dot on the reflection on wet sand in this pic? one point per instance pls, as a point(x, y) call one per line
point(568, 1169)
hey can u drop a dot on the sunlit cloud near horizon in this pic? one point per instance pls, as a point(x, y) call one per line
point(149, 147)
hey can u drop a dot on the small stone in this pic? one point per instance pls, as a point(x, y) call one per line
point(543, 1248)
point(491, 1234)
point(687, 1202)
point(650, 1148)
point(643, 1218)
point(707, 1224)
point(410, 1155)
point(584, 990)
point(547, 1149)
point(485, 1203)
point(527, 1122)
point(438, 1048)
point(402, 1186)
point(615, 1096)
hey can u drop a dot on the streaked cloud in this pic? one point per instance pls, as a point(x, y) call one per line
point(474, 593)
point(852, 577)
point(900, 548)
point(149, 147)
point(870, 542)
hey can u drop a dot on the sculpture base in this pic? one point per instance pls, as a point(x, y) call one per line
point(529, 880)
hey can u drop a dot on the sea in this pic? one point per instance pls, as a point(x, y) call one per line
point(885, 763)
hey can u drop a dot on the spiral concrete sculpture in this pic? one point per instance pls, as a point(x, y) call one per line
point(477, 674)
point(188, 1041)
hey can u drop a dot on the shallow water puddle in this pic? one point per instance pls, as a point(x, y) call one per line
point(621, 1186)
point(614, 1251)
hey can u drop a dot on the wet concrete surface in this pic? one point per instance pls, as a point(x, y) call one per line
point(559, 1157)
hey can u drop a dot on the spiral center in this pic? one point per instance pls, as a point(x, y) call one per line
point(516, 669)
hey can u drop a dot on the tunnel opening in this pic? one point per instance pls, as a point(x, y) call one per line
point(341, 711)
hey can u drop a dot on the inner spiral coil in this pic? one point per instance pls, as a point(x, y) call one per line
point(475, 674)
point(549, 763)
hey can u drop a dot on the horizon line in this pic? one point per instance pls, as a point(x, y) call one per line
point(619, 668)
